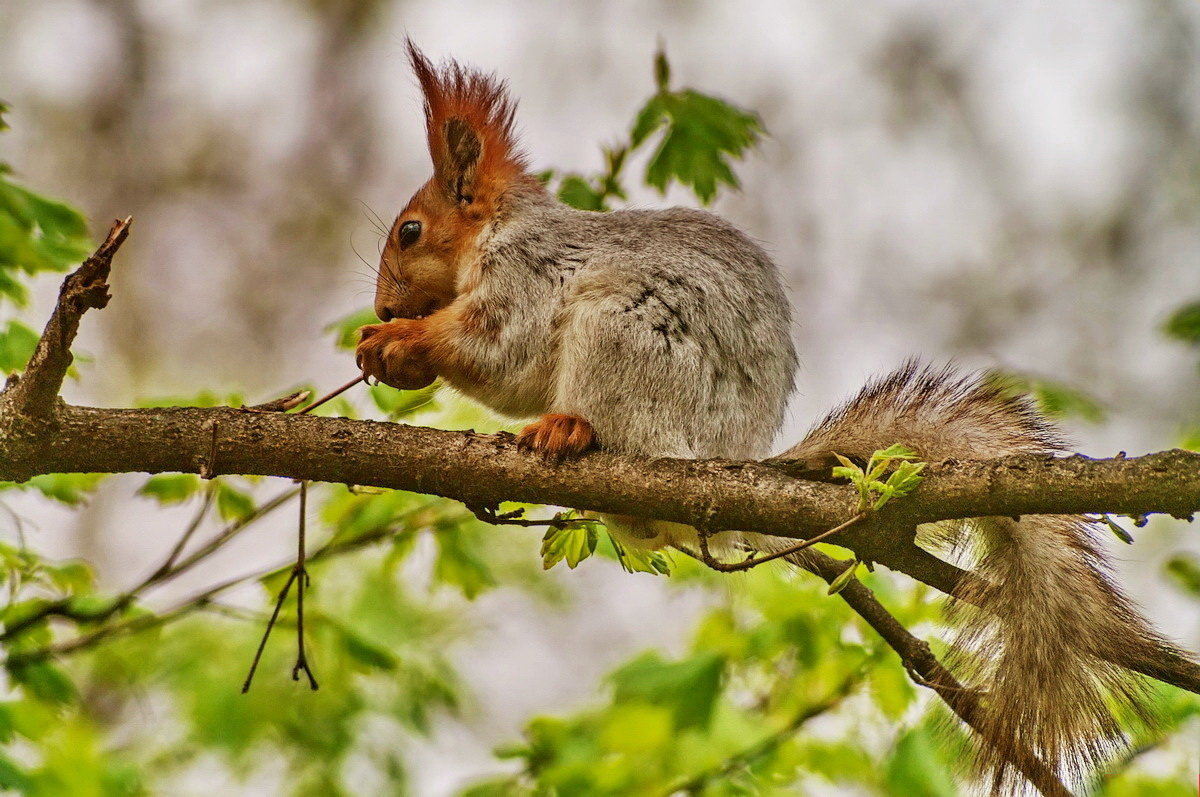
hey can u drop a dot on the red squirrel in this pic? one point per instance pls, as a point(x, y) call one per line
point(666, 333)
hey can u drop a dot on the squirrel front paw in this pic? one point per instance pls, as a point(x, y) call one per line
point(395, 354)
point(557, 436)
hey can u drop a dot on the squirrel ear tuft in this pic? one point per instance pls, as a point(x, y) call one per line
point(469, 121)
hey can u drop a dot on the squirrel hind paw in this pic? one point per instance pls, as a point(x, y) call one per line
point(557, 436)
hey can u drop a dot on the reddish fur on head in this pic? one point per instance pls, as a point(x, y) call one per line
point(469, 123)
point(469, 120)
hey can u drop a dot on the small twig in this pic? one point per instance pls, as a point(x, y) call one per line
point(209, 463)
point(299, 575)
point(730, 567)
point(283, 404)
point(283, 593)
point(514, 517)
point(173, 557)
point(302, 581)
point(334, 394)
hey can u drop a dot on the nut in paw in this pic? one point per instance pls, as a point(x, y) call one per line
point(557, 436)
point(395, 354)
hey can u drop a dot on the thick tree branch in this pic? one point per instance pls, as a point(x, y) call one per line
point(484, 470)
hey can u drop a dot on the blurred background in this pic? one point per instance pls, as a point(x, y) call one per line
point(1012, 185)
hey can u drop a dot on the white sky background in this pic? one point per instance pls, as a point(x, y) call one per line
point(904, 221)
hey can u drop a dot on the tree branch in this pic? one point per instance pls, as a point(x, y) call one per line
point(36, 391)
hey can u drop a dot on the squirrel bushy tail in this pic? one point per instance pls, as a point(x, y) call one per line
point(1037, 629)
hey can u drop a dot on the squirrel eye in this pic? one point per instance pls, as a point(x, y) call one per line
point(410, 231)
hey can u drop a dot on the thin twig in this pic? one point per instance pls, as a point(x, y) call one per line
point(283, 404)
point(302, 581)
point(730, 567)
point(166, 566)
point(333, 394)
point(514, 517)
point(300, 576)
point(771, 742)
point(283, 593)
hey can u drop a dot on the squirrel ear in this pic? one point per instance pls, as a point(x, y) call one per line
point(463, 148)
point(469, 123)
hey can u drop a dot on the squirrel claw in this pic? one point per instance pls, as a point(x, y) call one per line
point(557, 436)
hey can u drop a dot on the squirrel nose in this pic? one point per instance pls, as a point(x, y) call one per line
point(385, 314)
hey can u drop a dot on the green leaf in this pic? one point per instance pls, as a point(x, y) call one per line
point(689, 687)
point(232, 504)
point(170, 488)
point(397, 404)
point(662, 70)
point(844, 579)
point(17, 343)
point(92, 606)
point(36, 234)
point(205, 398)
point(1056, 399)
point(364, 651)
point(458, 563)
point(13, 778)
point(72, 576)
point(572, 543)
point(67, 488)
point(902, 481)
point(345, 329)
point(1184, 324)
point(1117, 529)
point(918, 767)
point(895, 451)
point(577, 192)
point(700, 136)
point(637, 560)
point(44, 681)
point(7, 722)
point(1184, 570)
point(892, 689)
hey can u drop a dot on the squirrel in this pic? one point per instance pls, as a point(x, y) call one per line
point(666, 333)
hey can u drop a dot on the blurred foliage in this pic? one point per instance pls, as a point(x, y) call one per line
point(36, 234)
point(1056, 399)
point(779, 690)
point(1184, 324)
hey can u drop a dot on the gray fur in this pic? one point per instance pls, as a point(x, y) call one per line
point(668, 330)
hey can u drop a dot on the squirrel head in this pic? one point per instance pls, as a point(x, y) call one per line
point(477, 169)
